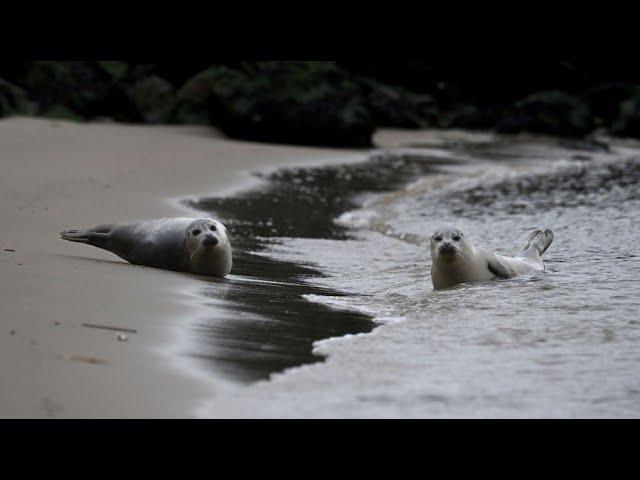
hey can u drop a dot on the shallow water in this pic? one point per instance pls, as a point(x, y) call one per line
point(559, 343)
point(266, 323)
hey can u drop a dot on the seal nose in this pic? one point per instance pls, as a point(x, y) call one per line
point(210, 240)
point(446, 247)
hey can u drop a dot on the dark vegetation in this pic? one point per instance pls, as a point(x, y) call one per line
point(334, 103)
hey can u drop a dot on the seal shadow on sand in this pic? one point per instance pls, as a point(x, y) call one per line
point(115, 261)
point(125, 264)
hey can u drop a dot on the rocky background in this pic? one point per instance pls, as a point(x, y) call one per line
point(333, 103)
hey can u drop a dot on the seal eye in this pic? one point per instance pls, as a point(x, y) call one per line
point(196, 233)
point(438, 238)
point(213, 228)
point(456, 238)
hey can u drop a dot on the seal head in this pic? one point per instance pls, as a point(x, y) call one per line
point(456, 260)
point(208, 247)
point(447, 244)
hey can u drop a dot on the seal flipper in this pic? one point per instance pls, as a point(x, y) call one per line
point(498, 268)
point(538, 242)
point(97, 236)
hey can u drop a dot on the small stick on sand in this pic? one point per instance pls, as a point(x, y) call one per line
point(87, 359)
point(106, 327)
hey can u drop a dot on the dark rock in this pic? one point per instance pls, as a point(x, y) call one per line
point(605, 100)
point(81, 90)
point(176, 72)
point(484, 79)
point(154, 98)
point(392, 106)
point(309, 103)
point(198, 101)
point(140, 71)
point(61, 112)
point(551, 112)
point(118, 71)
point(477, 81)
point(70, 84)
point(13, 100)
point(471, 117)
point(179, 72)
point(627, 123)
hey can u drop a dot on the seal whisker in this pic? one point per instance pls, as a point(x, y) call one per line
point(196, 253)
point(460, 255)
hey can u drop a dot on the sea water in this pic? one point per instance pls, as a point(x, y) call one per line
point(333, 313)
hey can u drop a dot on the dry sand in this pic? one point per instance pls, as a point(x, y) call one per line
point(56, 175)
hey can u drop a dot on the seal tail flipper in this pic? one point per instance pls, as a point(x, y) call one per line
point(539, 241)
point(96, 236)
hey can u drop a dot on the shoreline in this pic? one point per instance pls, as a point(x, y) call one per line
point(52, 366)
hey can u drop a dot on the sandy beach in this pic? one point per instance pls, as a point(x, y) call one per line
point(58, 175)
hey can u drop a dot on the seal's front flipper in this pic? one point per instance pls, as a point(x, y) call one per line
point(498, 268)
point(96, 236)
point(538, 242)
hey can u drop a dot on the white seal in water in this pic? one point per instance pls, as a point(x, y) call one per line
point(456, 260)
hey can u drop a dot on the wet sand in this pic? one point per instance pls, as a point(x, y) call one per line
point(58, 175)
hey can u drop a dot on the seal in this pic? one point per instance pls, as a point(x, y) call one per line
point(456, 260)
point(197, 245)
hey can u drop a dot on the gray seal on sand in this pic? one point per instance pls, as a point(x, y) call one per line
point(197, 245)
point(456, 260)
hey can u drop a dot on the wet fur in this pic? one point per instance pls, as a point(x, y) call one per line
point(468, 263)
point(160, 244)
